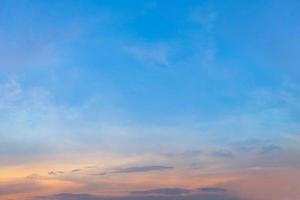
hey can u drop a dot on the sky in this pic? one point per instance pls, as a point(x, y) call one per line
point(149, 100)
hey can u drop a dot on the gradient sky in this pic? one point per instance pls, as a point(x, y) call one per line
point(149, 100)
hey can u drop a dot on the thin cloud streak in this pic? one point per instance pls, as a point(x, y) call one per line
point(136, 169)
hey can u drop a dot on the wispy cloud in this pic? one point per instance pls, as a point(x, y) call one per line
point(55, 173)
point(270, 148)
point(76, 170)
point(254, 145)
point(212, 189)
point(163, 191)
point(149, 54)
point(205, 16)
point(223, 154)
point(136, 169)
point(183, 154)
point(143, 169)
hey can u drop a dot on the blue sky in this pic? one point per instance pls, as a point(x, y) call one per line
point(152, 64)
point(141, 80)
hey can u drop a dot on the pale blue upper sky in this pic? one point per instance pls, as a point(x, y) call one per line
point(229, 69)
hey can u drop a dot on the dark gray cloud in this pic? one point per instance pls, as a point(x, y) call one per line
point(135, 169)
point(100, 174)
point(67, 196)
point(163, 191)
point(212, 189)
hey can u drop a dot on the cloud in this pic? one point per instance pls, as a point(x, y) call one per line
point(205, 16)
point(100, 174)
point(90, 167)
point(223, 154)
point(247, 145)
point(163, 191)
point(27, 115)
point(184, 154)
point(55, 172)
point(258, 146)
point(33, 177)
point(7, 188)
point(142, 169)
point(151, 53)
point(270, 148)
point(38, 46)
point(76, 170)
point(68, 196)
point(212, 189)
point(136, 169)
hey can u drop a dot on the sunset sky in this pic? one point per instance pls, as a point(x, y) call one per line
point(149, 100)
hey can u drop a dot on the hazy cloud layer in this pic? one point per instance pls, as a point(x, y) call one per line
point(137, 197)
point(8, 188)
